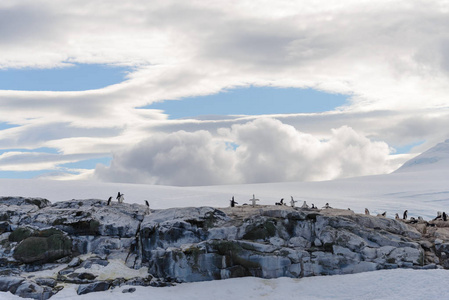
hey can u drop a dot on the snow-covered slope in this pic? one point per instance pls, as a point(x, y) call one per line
point(435, 158)
point(423, 192)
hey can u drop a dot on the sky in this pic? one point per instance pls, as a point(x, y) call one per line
point(219, 92)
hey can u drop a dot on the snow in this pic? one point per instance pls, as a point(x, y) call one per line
point(421, 187)
point(116, 268)
point(422, 193)
point(384, 284)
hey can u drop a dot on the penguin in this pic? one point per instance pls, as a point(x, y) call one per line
point(109, 200)
point(304, 205)
point(233, 202)
point(292, 202)
point(444, 215)
point(366, 211)
point(384, 214)
point(120, 197)
point(327, 206)
point(280, 202)
point(148, 207)
point(404, 217)
point(396, 216)
point(313, 206)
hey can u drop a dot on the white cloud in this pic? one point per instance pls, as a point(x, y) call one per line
point(268, 151)
point(389, 56)
point(35, 161)
point(179, 158)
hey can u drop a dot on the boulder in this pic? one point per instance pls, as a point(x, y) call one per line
point(10, 283)
point(43, 246)
point(98, 286)
point(32, 290)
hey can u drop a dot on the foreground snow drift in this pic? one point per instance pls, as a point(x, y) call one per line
point(386, 284)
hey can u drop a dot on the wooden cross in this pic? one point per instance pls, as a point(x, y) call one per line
point(253, 201)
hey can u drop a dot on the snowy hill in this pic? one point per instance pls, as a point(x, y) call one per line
point(433, 159)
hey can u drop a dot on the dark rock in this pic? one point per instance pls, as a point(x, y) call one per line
point(101, 262)
point(93, 287)
point(10, 284)
point(87, 264)
point(86, 276)
point(20, 233)
point(46, 282)
point(39, 202)
point(9, 272)
point(5, 227)
point(81, 276)
point(43, 246)
point(66, 271)
point(74, 262)
point(138, 281)
point(429, 267)
point(119, 282)
point(130, 290)
point(34, 291)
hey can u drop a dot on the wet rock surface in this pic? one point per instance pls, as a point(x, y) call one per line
point(98, 246)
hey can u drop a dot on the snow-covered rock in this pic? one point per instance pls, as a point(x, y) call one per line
point(198, 244)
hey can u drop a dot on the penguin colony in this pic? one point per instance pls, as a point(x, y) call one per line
point(441, 216)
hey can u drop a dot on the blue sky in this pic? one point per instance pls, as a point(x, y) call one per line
point(253, 101)
point(75, 77)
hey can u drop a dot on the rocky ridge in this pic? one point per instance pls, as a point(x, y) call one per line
point(45, 246)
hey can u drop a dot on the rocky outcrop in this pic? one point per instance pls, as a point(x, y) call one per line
point(197, 244)
point(85, 242)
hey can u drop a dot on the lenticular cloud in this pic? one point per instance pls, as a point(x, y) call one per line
point(264, 150)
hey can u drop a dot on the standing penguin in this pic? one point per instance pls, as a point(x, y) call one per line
point(404, 217)
point(292, 202)
point(109, 200)
point(366, 211)
point(148, 207)
point(396, 216)
point(444, 216)
point(304, 205)
point(120, 197)
point(233, 202)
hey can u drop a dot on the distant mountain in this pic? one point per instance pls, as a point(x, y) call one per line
point(435, 158)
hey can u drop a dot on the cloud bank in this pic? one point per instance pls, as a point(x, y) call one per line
point(264, 150)
point(389, 57)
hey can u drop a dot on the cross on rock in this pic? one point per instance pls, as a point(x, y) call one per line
point(253, 201)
